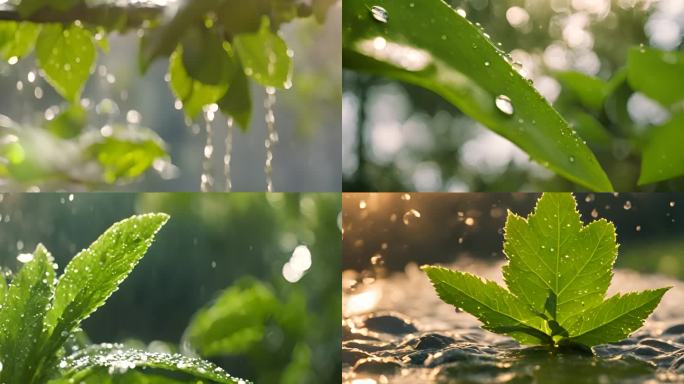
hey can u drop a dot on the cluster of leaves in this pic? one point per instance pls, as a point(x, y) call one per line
point(40, 316)
point(213, 47)
point(248, 319)
point(558, 273)
point(456, 59)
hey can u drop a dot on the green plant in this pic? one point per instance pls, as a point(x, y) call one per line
point(586, 137)
point(40, 316)
point(557, 276)
point(213, 48)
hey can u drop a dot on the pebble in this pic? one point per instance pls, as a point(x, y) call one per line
point(351, 356)
point(391, 323)
point(674, 330)
point(378, 366)
point(430, 341)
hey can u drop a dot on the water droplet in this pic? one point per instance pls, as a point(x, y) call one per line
point(410, 215)
point(594, 213)
point(377, 260)
point(406, 197)
point(362, 204)
point(627, 205)
point(271, 135)
point(672, 203)
point(469, 221)
point(25, 257)
point(379, 13)
point(228, 155)
point(638, 228)
point(461, 12)
point(504, 104)
point(571, 159)
point(486, 63)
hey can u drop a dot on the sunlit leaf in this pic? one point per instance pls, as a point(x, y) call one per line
point(591, 91)
point(21, 318)
point(663, 157)
point(118, 360)
point(17, 39)
point(194, 94)
point(205, 58)
point(657, 74)
point(430, 45)
point(67, 56)
point(265, 56)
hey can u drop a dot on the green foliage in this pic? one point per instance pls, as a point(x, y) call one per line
point(663, 157)
point(454, 58)
point(657, 74)
point(38, 314)
point(67, 56)
point(242, 321)
point(17, 39)
point(557, 277)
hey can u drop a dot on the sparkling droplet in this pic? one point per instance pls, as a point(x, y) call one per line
point(628, 205)
point(410, 215)
point(271, 135)
point(504, 104)
point(571, 159)
point(379, 13)
point(228, 155)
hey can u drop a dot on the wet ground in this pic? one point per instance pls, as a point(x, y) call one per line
point(396, 330)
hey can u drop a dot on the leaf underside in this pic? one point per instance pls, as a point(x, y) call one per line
point(558, 273)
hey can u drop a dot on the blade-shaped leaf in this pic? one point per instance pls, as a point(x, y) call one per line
point(67, 56)
point(497, 308)
point(663, 157)
point(555, 264)
point(119, 360)
point(428, 44)
point(95, 273)
point(657, 74)
point(22, 316)
point(614, 319)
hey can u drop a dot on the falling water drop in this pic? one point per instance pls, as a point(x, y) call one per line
point(379, 13)
point(229, 154)
point(504, 104)
point(271, 135)
point(628, 205)
point(207, 180)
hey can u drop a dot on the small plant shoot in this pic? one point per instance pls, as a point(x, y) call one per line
point(40, 316)
point(556, 279)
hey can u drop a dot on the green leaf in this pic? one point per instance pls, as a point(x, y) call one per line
point(22, 315)
point(662, 156)
point(498, 309)
point(552, 255)
point(237, 102)
point(432, 46)
point(69, 123)
point(235, 322)
point(28, 7)
point(589, 128)
point(192, 93)
point(557, 277)
point(265, 56)
point(657, 74)
point(615, 318)
point(95, 273)
point(67, 56)
point(17, 39)
point(119, 360)
point(205, 58)
point(591, 91)
point(126, 153)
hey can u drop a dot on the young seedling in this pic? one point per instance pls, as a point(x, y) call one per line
point(39, 314)
point(557, 276)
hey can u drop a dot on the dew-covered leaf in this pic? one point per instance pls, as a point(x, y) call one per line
point(428, 44)
point(662, 156)
point(235, 322)
point(194, 94)
point(22, 318)
point(126, 153)
point(657, 74)
point(67, 56)
point(552, 255)
point(265, 56)
point(118, 360)
point(613, 319)
point(498, 309)
point(95, 273)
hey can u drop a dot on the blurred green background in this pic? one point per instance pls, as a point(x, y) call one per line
point(213, 242)
point(425, 228)
point(398, 137)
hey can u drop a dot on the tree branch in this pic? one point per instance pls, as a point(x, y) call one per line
point(108, 16)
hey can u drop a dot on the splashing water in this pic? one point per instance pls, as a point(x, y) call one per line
point(271, 135)
point(229, 154)
point(207, 179)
